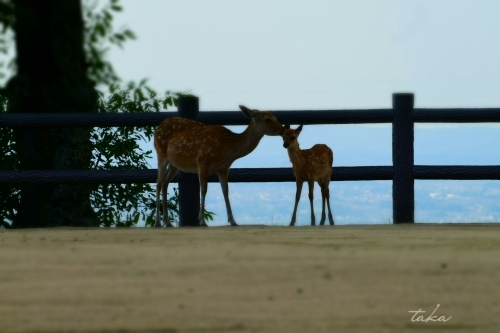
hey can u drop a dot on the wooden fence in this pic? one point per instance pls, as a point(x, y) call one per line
point(403, 172)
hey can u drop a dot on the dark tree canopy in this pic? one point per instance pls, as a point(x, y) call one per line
point(51, 77)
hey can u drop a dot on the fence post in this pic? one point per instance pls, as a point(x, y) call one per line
point(189, 186)
point(403, 194)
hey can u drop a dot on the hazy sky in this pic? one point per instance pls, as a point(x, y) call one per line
point(285, 55)
point(279, 54)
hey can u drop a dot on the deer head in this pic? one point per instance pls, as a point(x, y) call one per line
point(290, 136)
point(263, 121)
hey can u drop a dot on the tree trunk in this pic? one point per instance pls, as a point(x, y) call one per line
point(51, 77)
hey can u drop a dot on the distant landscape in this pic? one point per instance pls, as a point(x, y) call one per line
point(366, 202)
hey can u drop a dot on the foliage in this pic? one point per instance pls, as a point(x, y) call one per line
point(117, 148)
point(9, 196)
point(99, 34)
point(114, 148)
point(6, 36)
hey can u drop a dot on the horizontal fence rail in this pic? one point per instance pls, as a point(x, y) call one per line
point(457, 172)
point(491, 115)
point(237, 175)
point(306, 117)
point(403, 172)
point(249, 175)
point(208, 117)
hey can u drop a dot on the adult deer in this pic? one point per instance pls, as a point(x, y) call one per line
point(190, 146)
point(309, 165)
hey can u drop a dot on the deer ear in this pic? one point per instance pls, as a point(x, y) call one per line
point(287, 126)
point(246, 111)
point(299, 128)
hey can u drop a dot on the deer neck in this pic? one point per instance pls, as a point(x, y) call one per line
point(295, 154)
point(247, 141)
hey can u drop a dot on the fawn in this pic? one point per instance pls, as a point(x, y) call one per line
point(309, 165)
point(190, 146)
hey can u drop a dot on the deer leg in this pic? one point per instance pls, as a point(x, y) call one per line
point(327, 196)
point(311, 197)
point(323, 215)
point(223, 179)
point(203, 177)
point(164, 189)
point(171, 172)
point(162, 170)
point(297, 198)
